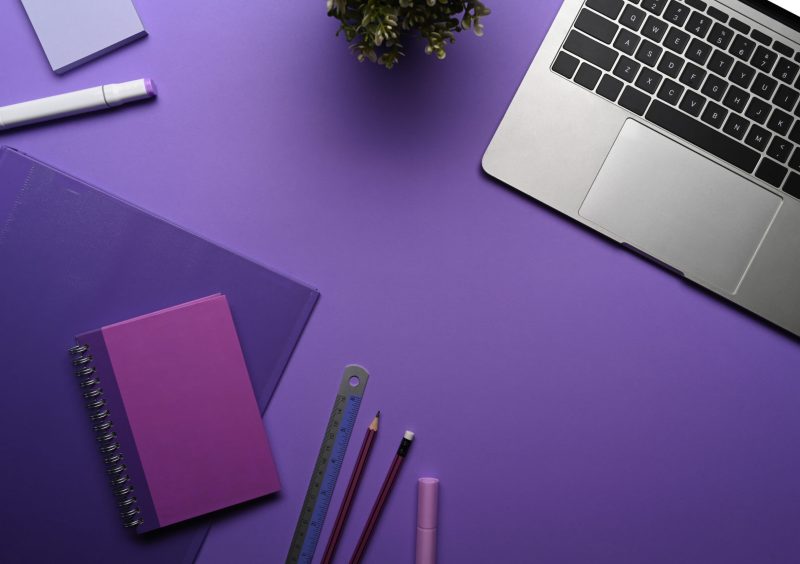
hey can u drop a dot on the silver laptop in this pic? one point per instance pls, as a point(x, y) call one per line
point(671, 126)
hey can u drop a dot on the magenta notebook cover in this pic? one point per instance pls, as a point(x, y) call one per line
point(175, 414)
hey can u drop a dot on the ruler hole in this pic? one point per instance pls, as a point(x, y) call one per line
point(354, 381)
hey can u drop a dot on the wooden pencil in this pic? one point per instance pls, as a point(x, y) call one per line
point(352, 487)
point(386, 489)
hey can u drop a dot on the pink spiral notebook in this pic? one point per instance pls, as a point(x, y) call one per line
point(174, 414)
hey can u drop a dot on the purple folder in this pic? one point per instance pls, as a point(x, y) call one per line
point(74, 258)
point(180, 369)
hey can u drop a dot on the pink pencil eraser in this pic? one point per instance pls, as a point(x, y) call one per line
point(428, 503)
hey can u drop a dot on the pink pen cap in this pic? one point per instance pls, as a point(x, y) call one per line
point(427, 519)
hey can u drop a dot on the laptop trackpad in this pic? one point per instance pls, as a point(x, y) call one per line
point(680, 207)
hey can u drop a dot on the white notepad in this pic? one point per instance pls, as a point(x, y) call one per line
point(73, 32)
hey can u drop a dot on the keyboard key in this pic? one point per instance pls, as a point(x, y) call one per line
point(697, 4)
point(792, 186)
point(771, 172)
point(714, 115)
point(780, 122)
point(655, 29)
point(596, 26)
point(671, 65)
point(610, 87)
point(649, 53)
point(742, 47)
point(715, 87)
point(627, 69)
point(739, 26)
point(736, 126)
point(702, 136)
point(676, 40)
point(565, 64)
point(698, 51)
point(588, 76)
point(717, 14)
point(761, 37)
point(627, 42)
point(648, 80)
point(671, 92)
point(758, 111)
point(720, 36)
point(780, 149)
point(758, 138)
point(590, 50)
point(692, 76)
point(699, 24)
point(632, 17)
point(783, 49)
point(693, 103)
point(794, 162)
point(764, 59)
point(786, 70)
point(720, 63)
point(736, 99)
point(654, 6)
point(634, 100)
point(786, 98)
point(742, 74)
point(764, 86)
point(676, 13)
point(795, 134)
point(609, 8)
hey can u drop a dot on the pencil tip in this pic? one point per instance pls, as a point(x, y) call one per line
point(378, 414)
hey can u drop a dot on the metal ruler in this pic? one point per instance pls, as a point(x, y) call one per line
point(329, 463)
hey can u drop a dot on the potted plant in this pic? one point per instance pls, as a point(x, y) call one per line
point(378, 29)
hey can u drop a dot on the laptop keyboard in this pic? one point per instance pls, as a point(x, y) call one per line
point(697, 72)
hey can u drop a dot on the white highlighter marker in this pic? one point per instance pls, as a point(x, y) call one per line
point(79, 102)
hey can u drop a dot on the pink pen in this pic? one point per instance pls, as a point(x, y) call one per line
point(427, 517)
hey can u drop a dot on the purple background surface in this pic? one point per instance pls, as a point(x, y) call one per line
point(578, 404)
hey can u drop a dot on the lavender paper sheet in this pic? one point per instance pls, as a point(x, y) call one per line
point(75, 258)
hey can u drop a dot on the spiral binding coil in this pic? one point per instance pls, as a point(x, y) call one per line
point(103, 426)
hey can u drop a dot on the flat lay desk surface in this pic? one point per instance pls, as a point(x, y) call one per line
point(578, 404)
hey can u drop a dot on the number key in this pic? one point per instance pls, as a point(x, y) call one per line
point(699, 24)
point(742, 47)
point(654, 6)
point(676, 13)
point(786, 70)
point(720, 36)
point(764, 59)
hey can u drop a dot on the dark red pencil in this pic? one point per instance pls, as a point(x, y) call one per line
point(350, 493)
point(386, 489)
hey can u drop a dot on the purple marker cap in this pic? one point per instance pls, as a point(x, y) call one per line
point(428, 503)
point(150, 87)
